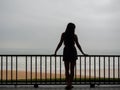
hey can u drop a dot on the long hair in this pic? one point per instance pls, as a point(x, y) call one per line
point(69, 34)
point(70, 30)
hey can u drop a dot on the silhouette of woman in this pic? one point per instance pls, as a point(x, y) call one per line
point(69, 53)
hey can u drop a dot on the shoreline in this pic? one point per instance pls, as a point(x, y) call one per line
point(28, 75)
point(23, 75)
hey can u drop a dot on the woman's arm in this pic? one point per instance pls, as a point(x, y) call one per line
point(59, 45)
point(78, 45)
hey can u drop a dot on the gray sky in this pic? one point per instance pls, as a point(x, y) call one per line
point(35, 26)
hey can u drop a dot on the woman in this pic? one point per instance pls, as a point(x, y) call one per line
point(69, 54)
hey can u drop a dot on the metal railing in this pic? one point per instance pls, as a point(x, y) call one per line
point(49, 70)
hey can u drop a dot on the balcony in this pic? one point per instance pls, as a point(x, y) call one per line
point(49, 70)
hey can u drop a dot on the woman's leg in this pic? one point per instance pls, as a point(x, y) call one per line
point(72, 66)
point(67, 75)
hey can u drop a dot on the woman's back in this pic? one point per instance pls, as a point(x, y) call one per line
point(69, 40)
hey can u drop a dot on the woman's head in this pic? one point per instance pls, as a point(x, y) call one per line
point(70, 28)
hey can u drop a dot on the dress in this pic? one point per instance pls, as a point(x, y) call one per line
point(69, 52)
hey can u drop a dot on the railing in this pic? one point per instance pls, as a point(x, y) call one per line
point(49, 70)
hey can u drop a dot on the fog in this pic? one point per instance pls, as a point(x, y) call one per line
point(35, 26)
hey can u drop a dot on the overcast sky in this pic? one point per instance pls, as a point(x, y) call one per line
point(35, 26)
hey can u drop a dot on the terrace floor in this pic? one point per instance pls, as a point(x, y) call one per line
point(60, 87)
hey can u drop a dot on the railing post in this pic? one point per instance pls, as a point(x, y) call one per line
point(99, 70)
point(40, 69)
point(46, 69)
point(119, 69)
point(1, 69)
point(35, 85)
point(12, 69)
point(90, 69)
point(6, 69)
point(55, 69)
point(80, 70)
point(16, 70)
point(85, 67)
point(60, 69)
point(109, 69)
point(26, 68)
point(92, 85)
point(31, 68)
point(50, 70)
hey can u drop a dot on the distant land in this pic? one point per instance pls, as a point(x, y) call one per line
point(51, 51)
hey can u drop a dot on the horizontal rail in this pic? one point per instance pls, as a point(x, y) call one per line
point(49, 69)
point(59, 55)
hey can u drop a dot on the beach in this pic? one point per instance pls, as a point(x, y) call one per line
point(33, 75)
point(24, 75)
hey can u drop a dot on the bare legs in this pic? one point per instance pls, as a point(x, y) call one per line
point(69, 72)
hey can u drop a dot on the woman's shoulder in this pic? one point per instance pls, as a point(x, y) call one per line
point(63, 34)
point(75, 36)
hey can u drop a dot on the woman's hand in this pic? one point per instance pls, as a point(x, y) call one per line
point(85, 54)
point(54, 54)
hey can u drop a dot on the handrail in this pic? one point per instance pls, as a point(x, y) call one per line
point(49, 69)
point(56, 55)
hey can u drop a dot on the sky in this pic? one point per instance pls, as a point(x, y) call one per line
point(35, 26)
